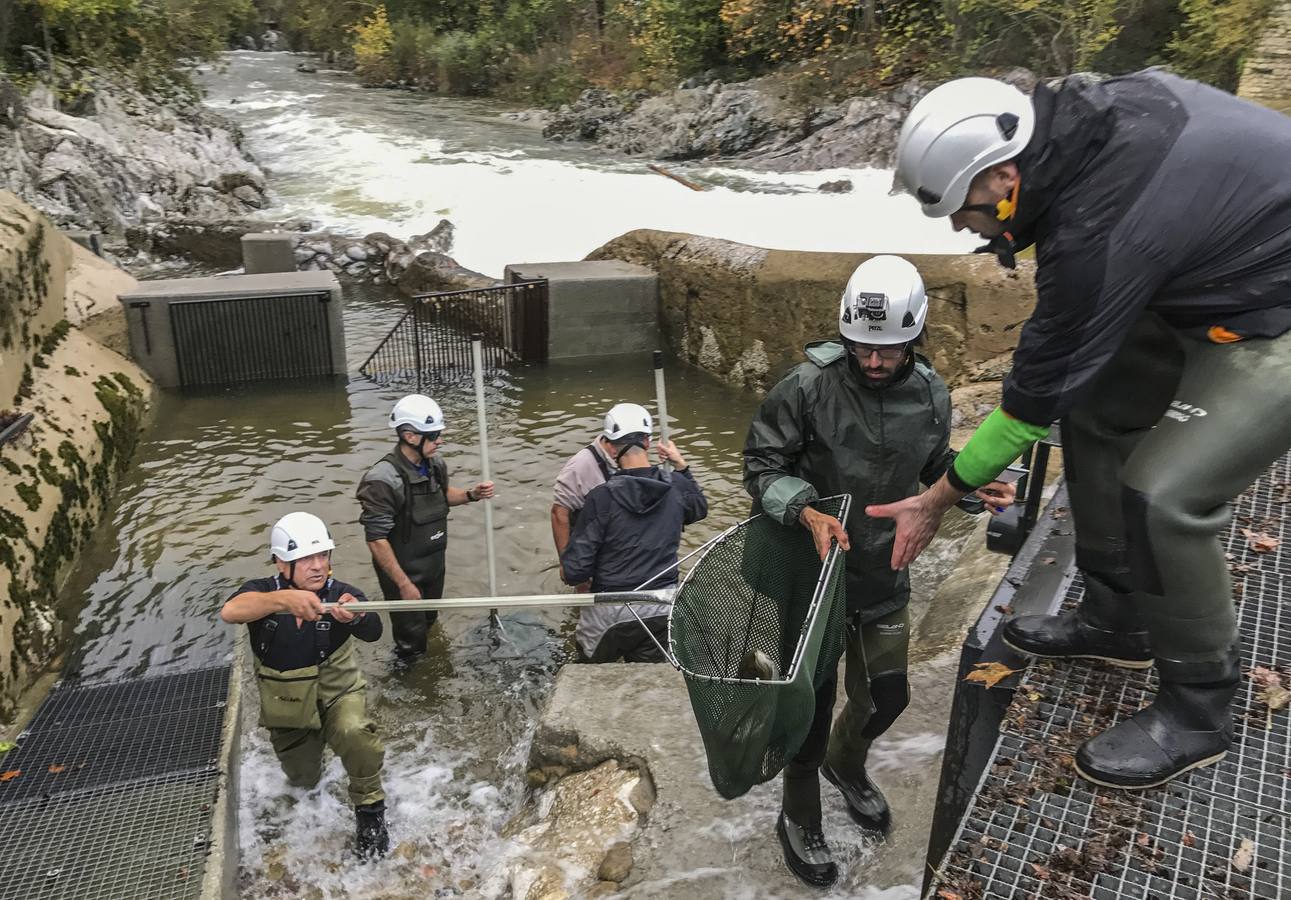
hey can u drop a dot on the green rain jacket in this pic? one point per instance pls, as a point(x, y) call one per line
point(820, 432)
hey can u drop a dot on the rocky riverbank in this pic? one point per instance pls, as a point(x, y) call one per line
point(104, 156)
point(758, 122)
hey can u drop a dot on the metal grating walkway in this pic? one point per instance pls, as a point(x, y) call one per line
point(1037, 830)
point(111, 790)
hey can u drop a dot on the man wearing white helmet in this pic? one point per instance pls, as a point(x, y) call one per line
point(865, 415)
point(1160, 210)
point(626, 537)
point(311, 692)
point(590, 467)
point(405, 499)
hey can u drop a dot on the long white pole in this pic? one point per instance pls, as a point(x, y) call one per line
point(477, 358)
point(663, 595)
point(661, 397)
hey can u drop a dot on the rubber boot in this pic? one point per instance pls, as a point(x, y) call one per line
point(806, 853)
point(372, 839)
point(1106, 626)
point(865, 802)
point(1186, 727)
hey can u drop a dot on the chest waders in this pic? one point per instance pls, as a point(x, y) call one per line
point(418, 540)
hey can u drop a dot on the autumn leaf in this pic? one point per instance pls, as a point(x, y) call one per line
point(1244, 856)
point(1259, 541)
point(990, 674)
point(1189, 839)
point(10, 775)
point(6, 746)
point(948, 894)
point(1040, 872)
point(54, 770)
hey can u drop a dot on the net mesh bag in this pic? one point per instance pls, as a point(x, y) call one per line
point(755, 626)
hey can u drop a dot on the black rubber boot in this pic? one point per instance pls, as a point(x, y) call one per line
point(806, 853)
point(1106, 626)
point(1186, 727)
point(372, 839)
point(865, 802)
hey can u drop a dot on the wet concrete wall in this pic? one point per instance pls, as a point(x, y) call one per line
point(744, 313)
point(87, 402)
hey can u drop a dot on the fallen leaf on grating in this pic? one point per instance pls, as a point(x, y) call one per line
point(1244, 856)
point(6, 746)
point(10, 775)
point(1189, 839)
point(947, 894)
point(1260, 541)
point(990, 674)
point(54, 770)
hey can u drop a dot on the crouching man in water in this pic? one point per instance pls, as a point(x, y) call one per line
point(628, 533)
point(864, 415)
point(311, 692)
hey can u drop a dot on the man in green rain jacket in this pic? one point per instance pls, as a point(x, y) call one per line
point(869, 417)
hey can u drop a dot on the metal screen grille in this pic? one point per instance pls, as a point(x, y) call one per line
point(1036, 829)
point(252, 339)
point(431, 343)
point(111, 789)
point(761, 589)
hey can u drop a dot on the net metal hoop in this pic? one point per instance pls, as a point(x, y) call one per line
point(826, 573)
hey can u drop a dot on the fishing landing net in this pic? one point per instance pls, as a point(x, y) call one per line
point(756, 624)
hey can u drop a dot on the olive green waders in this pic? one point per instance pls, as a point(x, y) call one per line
point(877, 690)
point(344, 726)
point(1173, 429)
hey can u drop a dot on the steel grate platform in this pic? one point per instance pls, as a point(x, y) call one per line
point(1037, 830)
point(111, 790)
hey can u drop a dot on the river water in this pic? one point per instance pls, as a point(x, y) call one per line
point(214, 470)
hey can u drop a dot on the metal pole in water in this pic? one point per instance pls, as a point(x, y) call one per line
point(661, 398)
point(477, 360)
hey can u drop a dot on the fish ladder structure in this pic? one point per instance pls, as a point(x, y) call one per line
point(124, 789)
point(1035, 829)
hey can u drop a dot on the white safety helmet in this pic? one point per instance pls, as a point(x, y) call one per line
point(625, 419)
point(957, 130)
point(418, 412)
point(297, 535)
point(884, 302)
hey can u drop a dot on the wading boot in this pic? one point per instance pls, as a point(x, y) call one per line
point(1186, 727)
point(1106, 626)
point(806, 853)
point(865, 802)
point(372, 839)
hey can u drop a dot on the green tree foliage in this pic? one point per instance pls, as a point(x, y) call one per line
point(149, 36)
point(1214, 38)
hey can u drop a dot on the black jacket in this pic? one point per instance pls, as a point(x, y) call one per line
point(279, 643)
point(1146, 192)
point(630, 528)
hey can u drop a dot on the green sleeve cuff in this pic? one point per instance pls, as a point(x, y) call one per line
point(785, 498)
point(996, 443)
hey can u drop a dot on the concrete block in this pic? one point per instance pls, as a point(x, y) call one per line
point(596, 307)
point(265, 252)
point(191, 331)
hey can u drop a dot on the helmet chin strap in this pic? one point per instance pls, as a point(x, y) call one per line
point(1004, 211)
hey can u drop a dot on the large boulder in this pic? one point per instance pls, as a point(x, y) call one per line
point(430, 271)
